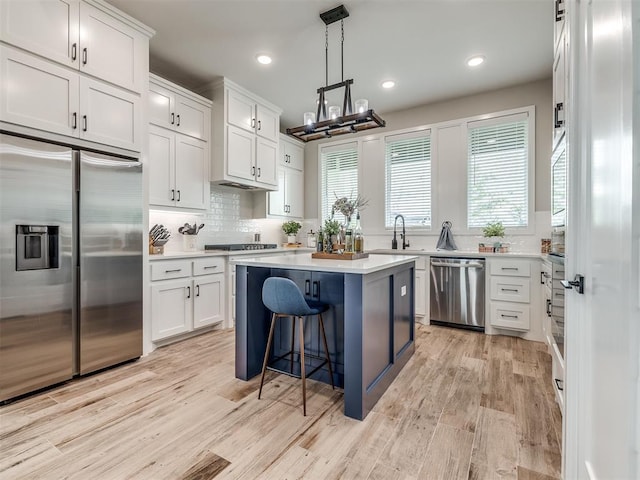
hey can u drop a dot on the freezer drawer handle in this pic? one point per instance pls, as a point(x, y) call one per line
point(457, 265)
point(508, 316)
point(174, 270)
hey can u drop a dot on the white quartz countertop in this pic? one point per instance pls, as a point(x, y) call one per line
point(224, 253)
point(304, 261)
point(455, 253)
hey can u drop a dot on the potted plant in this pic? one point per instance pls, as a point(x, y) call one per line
point(493, 231)
point(291, 229)
point(331, 230)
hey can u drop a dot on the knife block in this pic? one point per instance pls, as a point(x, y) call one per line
point(156, 250)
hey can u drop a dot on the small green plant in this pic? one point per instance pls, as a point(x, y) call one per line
point(331, 227)
point(291, 228)
point(495, 229)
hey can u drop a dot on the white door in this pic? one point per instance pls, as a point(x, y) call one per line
point(37, 93)
point(240, 111)
point(277, 198)
point(171, 308)
point(267, 162)
point(192, 118)
point(208, 300)
point(161, 106)
point(110, 49)
point(161, 166)
point(192, 179)
point(109, 115)
point(294, 155)
point(602, 386)
point(295, 193)
point(241, 153)
point(45, 27)
point(268, 125)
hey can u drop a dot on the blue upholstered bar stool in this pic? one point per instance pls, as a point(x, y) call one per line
point(283, 297)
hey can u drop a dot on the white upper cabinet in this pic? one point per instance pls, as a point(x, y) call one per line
point(172, 107)
point(245, 131)
point(88, 37)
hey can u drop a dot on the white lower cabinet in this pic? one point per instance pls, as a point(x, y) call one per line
point(421, 286)
point(194, 301)
point(509, 294)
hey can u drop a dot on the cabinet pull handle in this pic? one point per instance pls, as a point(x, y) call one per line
point(259, 124)
point(174, 270)
point(509, 268)
point(177, 120)
point(548, 307)
point(74, 51)
point(210, 266)
point(178, 195)
point(508, 316)
point(556, 115)
point(74, 122)
point(84, 123)
point(542, 277)
point(316, 289)
point(173, 195)
point(253, 123)
point(188, 292)
point(253, 171)
point(197, 290)
point(307, 287)
point(259, 172)
point(559, 10)
point(509, 289)
point(84, 56)
point(173, 118)
point(559, 384)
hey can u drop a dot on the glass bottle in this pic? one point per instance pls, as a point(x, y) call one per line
point(320, 244)
point(348, 241)
point(358, 237)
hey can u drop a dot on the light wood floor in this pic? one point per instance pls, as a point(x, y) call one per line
point(466, 405)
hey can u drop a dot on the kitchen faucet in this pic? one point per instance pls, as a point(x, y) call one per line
point(403, 235)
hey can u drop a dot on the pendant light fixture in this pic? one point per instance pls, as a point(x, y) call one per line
point(338, 120)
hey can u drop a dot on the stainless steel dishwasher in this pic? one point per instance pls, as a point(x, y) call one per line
point(457, 292)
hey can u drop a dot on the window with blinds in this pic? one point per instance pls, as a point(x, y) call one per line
point(497, 171)
point(408, 179)
point(339, 176)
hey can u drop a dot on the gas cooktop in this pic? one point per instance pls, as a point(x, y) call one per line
point(241, 246)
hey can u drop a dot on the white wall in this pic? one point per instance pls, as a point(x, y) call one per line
point(536, 93)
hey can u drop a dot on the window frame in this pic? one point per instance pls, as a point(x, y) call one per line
point(336, 146)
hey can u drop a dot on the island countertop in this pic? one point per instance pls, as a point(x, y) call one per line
point(362, 266)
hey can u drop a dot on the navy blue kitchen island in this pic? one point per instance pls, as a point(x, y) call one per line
point(369, 327)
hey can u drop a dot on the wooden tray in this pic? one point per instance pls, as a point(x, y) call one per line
point(339, 256)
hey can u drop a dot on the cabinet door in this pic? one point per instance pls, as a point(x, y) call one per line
point(241, 153)
point(277, 202)
point(559, 79)
point(171, 308)
point(161, 106)
point(192, 118)
point(240, 111)
point(37, 93)
point(267, 162)
point(47, 28)
point(294, 193)
point(161, 166)
point(111, 50)
point(109, 115)
point(293, 155)
point(208, 300)
point(191, 172)
point(268, 125)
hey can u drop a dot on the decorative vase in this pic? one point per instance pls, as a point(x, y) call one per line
point(291, 239)
point(189, 243)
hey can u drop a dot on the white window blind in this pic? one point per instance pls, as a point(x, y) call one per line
point(339, 176)
point(408, 179)
point(497, 172)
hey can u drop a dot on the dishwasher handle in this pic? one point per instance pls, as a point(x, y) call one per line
point(458, 265)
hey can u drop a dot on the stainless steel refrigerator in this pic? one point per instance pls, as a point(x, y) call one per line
point(70, 263)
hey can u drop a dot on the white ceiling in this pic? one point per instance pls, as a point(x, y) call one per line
point(421, 44)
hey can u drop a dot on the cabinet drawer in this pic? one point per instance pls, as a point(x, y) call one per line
point(167, 270)
point(513, 268)
point(207, 266)
point(557, 297)
point(510, 316)
point(510, 289)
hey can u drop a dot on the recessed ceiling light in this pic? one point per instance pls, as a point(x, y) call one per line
point(388, 84)
point(263, 59)
point(475, 61)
